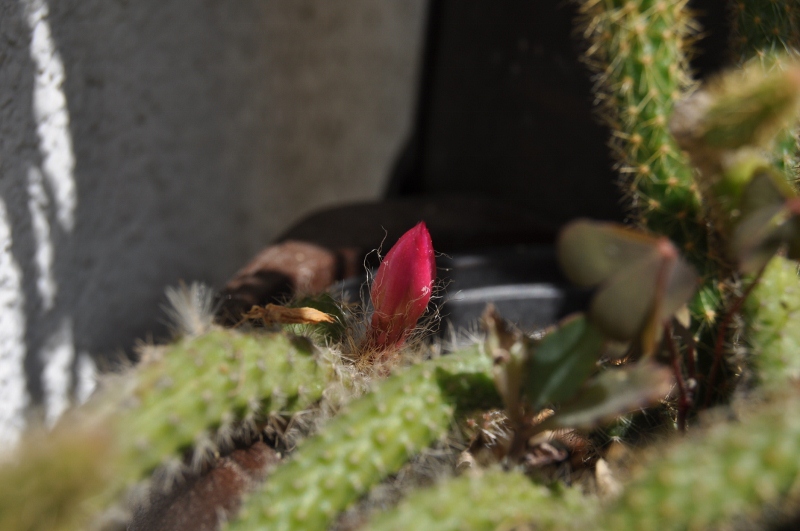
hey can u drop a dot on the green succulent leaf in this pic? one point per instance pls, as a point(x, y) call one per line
point(612, 393)
point(562, 362)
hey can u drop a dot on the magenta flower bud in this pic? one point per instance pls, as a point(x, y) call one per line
point(401, 289)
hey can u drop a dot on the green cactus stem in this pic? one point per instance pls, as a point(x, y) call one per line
point(370, 439)
point(773, 325)
point(51, 481)
point(188, 399)
point(638, 52)
point(763, 27)
point(195, 395)
point(749, 107)
point(489, 500)
point(705, 481)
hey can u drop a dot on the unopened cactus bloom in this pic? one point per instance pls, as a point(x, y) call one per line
point(401, 289)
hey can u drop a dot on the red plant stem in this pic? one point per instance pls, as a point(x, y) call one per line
point(684, 400)
point(691, 367)
point(723, 327)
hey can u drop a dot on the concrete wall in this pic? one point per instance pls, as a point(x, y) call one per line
point(143, 142)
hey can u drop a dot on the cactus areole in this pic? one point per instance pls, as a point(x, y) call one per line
point(401, 289)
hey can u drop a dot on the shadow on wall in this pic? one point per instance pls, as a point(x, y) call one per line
point(146, 142)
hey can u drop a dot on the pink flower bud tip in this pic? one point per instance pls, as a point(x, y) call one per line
point(401, 289)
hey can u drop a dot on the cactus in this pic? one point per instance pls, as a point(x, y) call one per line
point(729, 472)
point(199, 392)
point(638, 53)
point(773, 325)
point(638, 50)
point(761, 30)
point(491, 500)
point(370, 439)
point(54, 481)
point(190, 398)
point(764, 27)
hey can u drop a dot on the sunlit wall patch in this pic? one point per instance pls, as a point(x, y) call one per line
point(13, 394)
point(51, 114)
point(38, 206)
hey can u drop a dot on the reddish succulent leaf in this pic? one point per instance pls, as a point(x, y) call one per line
point(758, 237)
point(642, 279)
point(590, 252)
point(771, 219)
point(765, 189)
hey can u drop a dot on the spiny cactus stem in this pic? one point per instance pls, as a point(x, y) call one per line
point(773, 326)
point(492, 499)
point(716, 477)
point(370, 439)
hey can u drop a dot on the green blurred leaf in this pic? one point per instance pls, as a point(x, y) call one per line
point(737, 175)
point(613, 393)
point(562, 362)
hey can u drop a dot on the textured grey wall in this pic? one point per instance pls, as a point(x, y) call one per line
point(143, 142)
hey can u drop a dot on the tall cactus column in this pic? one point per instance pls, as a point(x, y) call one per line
point(638, 50)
